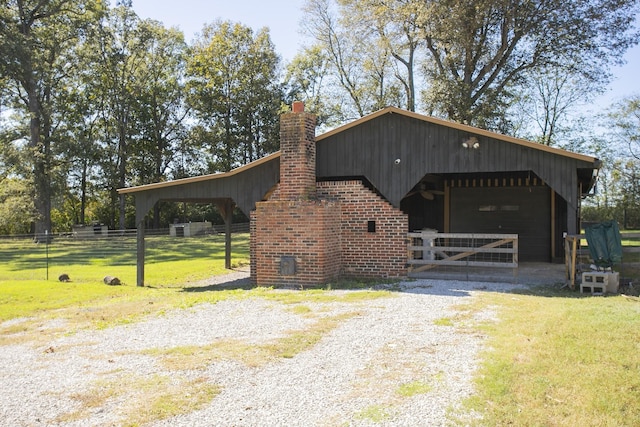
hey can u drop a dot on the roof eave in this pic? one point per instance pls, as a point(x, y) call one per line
point(199, 178)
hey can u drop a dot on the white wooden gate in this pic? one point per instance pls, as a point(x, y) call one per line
point(428, 250)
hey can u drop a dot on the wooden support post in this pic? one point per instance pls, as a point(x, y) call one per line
point(553, 225)
point(140, 253)
point(570, 257)
point(226, 209)
point(447, 212)
point(228, 220)
point(567, 257)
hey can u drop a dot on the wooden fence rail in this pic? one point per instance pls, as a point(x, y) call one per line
point(577, 254)
point(427, 250)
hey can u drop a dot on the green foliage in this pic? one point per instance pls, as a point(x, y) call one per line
point(628, 217)
point(474, 55)
point(37, 43)
point(305, 81)
point(16, 206)
point(626, 117)
point(358, 73)
point(413, 388)
point(95, 98)
point(232, 75)
point(618, 195)
point(374, 413)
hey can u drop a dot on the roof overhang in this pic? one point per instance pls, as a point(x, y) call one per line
point(389, 110)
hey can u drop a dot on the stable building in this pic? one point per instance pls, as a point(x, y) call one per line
point(346, 203)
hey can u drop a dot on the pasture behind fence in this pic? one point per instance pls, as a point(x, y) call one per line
point(30, 257)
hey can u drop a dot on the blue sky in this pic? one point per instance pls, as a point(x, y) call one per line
point(283, 17)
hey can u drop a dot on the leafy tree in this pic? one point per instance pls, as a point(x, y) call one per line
point(480, 49)
point(121, 72)
point(77, 149)
point(35, 39)
point(361, 76)
point(16, 206)
point(626, 119)
point(307, 79)
point(260, 100)
point(393, 28)
point(161, 113)
point(476, 55)
point(231, 75)
point(619, 180)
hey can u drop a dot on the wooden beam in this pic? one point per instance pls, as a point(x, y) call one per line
point(226, 209)
point(447, 209)
point(553, 224)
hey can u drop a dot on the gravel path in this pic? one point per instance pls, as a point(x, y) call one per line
point(354, 376)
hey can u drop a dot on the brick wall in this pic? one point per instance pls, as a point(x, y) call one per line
point(305, 233)
point(297, 155)
point(330, 241)
point(379, 253)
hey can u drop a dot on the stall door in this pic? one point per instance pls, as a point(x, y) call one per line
point(521, 210)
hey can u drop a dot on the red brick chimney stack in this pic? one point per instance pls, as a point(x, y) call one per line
point(297, 154)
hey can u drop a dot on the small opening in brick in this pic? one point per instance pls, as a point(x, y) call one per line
point(287, 266)
point(371, 226)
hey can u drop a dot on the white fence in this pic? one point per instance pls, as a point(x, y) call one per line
point(428, 251)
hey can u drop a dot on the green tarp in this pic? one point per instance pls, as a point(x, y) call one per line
point(605, 243)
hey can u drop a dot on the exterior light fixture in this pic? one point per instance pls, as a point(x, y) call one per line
point(471, 143)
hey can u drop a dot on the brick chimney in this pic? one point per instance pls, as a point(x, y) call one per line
point(297, 154)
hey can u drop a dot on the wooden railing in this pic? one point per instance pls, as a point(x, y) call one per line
point(428, 250)
point(576, 254)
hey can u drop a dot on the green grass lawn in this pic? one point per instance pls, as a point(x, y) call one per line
point(171, 264)
point(169, 260)
point(559, 359)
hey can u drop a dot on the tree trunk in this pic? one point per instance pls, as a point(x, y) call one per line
point(122, 169)
point(83, 191)
point(40, 152)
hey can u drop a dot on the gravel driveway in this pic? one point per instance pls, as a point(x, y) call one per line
point(392, 361)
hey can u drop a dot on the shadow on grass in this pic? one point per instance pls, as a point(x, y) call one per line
point(436, 287)
point(555, 291)
point(245, 284)
point(237, 284)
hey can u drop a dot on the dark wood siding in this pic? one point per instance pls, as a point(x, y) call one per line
point(521, 210)
point(371, 148)
point(245, 189)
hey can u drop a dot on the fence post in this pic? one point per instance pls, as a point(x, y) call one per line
point(140, 253)
point(46, 245)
